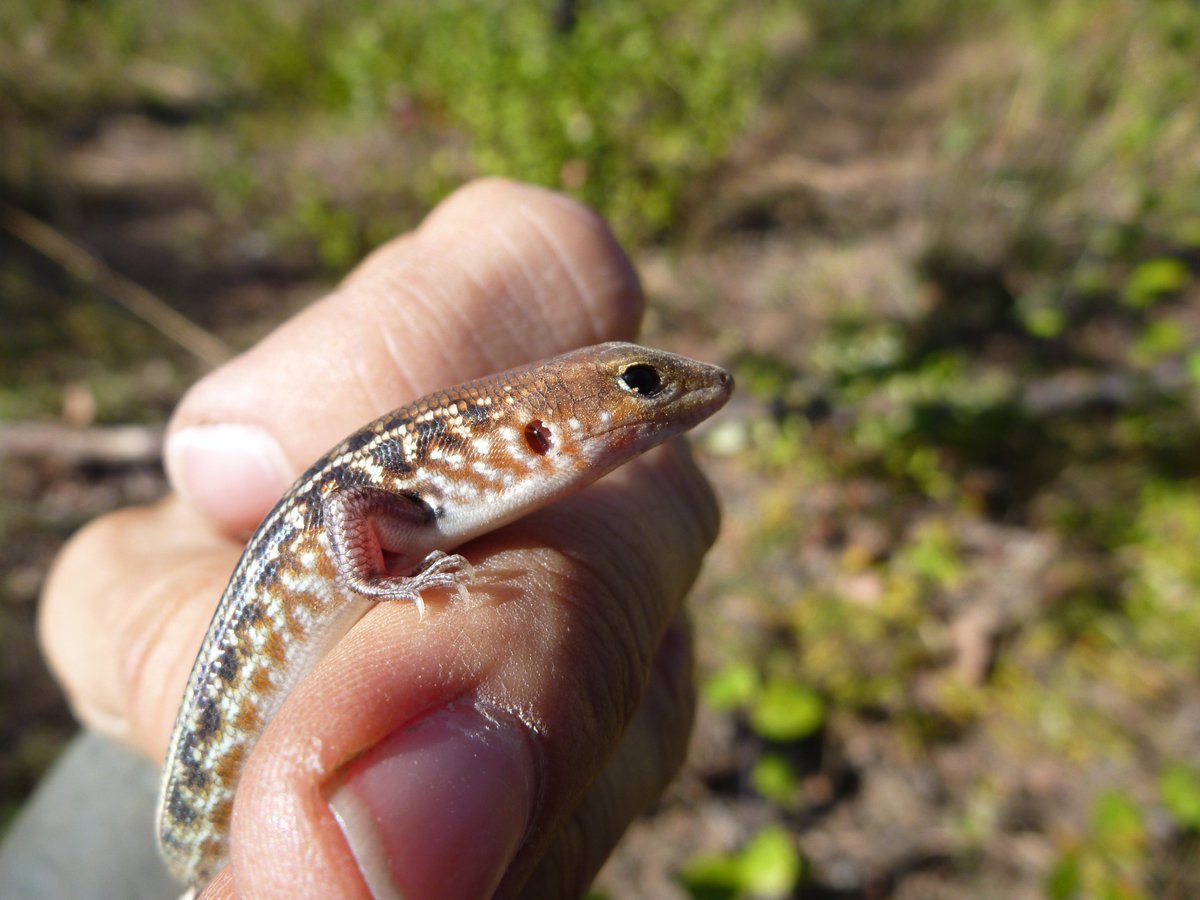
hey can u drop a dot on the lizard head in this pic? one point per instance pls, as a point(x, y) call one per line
point(603, 405)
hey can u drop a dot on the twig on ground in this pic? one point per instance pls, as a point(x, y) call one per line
point(112, 445)
point(136, 299)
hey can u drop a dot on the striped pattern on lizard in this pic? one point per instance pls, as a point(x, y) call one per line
point(374, 519)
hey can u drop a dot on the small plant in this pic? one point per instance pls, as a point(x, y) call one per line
point(1179, 789)
point(1155, 279)
point(626, 107)
point(1109, 861)
point(769, 866)
point(778, 709)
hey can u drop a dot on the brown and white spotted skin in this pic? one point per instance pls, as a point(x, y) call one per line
point(413, 484)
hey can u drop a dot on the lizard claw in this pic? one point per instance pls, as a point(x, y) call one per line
point(440, 569)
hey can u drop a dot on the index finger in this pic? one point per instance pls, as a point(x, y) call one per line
point(537, 274)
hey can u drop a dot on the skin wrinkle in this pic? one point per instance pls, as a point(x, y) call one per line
point(633, 550)
point(692, 493)
point(607, 623)
point(624, 275)
point(629, 585)
point(688, 531)
point(366, 384)
point(576, 851)
point(699, 540)
point(669, 693)
point(575, 841)
point(560, 872)
point(521, 281)
point(464, 324)
point(395, 320)
point(462, 321)
point(141, 646)
point(545, 291)
point(626, 302)
point(577, 280)
point(433, 300)
point(548, 288)
point(601, 814)
point(545, 302)
point(428, 302)
point(619, 561)
point(329, 370)
point(465, 204)
point(674, 714)
point(583, 590)
point(480, 338)
point(392, 279)
point(382, 259)
point(704, 528)
point(646, 583)
point(602, 811)
point(397, 360)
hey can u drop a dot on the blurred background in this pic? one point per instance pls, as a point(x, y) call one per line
point(949, 642)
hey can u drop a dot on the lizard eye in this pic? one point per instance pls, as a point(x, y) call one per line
point(642, 379)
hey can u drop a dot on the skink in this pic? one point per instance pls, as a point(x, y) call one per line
point(375, 518)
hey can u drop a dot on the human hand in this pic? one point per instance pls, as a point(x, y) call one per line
point(498, 746)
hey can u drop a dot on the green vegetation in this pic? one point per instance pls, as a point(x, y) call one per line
point(627, 107)
point(1108, 862)
point(767, 867)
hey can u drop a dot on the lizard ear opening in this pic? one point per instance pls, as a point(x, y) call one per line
point(537, 437)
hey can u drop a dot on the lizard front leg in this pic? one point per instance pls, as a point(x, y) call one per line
point(366, 525)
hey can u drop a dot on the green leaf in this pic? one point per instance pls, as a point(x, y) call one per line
point(768, 867)
point(1157, 341)
point(1045, 322)
point(1188, 232)
point(1193, 366)
point(774, 777)
point(771, 864)
point(1041, 313)
point(1154, 278)
point(933, 554)
point(731, 686)
point(712, 877)
point(1065, 880)
point(1117, 822)
point(787, 711)
point(1179, 787)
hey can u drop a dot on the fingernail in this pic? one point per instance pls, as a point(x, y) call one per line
point(233, 473)
point(440, 808)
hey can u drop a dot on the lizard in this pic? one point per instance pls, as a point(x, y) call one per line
point(375, 519)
